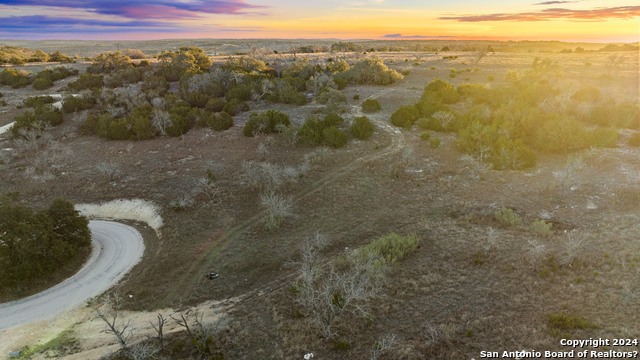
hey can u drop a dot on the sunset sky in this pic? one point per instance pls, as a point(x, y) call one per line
point(579, 20)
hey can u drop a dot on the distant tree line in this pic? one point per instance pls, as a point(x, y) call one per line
point(17, 56)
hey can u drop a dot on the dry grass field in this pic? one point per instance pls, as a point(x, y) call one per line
point(488, 272)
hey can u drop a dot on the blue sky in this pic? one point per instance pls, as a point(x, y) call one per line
point(577, 20)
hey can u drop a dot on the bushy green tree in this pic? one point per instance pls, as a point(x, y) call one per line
point(34, 244)
point(362, 128)
point(370, 71)
point(267, 122)
point(87, 81)
point(405, 116)
point(334, 137)
point(371, 105)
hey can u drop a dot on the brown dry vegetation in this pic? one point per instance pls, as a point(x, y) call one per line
point(472, 284)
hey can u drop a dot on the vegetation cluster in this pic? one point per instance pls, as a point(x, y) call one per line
point(507, 125)
point(35, 244)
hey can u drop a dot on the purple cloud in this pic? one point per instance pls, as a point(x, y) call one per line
point(60, 24)
point(146, 9)
point(621, 12)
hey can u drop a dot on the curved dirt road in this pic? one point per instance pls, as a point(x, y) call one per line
point(116, 249)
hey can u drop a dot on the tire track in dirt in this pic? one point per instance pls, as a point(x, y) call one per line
point(397, 142)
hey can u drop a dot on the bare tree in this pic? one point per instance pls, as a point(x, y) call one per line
point(278, 208)
point(159, 328)
point(208, 185)
point(201, 333)
point(536, 251)
point(328, 294)
point(161, 120)
point(479, 55)
point(142, 351)
point(385, 344)
point(109, 312)
point(112, 171)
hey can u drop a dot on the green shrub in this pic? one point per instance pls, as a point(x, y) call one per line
point(57, 56)
point(510, 154)
point(245, 65)
point(267, 122)
point(15, 78)
point(52, 117)
point(218, 121)
point(622, 115)
point(405, 116)
point(604, 137)
point(310, 133)
point(332, 119)
point(110, 62)
point(285, 93)
point(334, 137)
point(235, 107)
point(182, 119)
point(434, 142)
point(341, 82)
point(440, 91)
point(42, 84)
point(87, 81)
point(587, 94)
point(36, 101)
point(77, 103)
point(155, 86)
point(634, 140)
point(371, 105)
point(93, 123)
point(215, 104)
point(425, 136)
point(139, 121)
point(240, 92)
point(36, 120)
point(26, 122)
point(392, 247)
point(331, 96)
point(507, 217)
point(122, 77)
point(541, 227)
point(362, 128)
point(370, 71)
point(197, 99)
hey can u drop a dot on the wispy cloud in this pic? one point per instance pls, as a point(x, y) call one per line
point(61, 24)
point(621, 12)
point(400, 36)
point(555, 2)
point(146, 9)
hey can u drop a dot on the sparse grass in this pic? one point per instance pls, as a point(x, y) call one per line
point(63, 343)
point(561, 323)
point(392, 247)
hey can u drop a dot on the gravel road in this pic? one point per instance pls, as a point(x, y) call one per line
point(116, 249)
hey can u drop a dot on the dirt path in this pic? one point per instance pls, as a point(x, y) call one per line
point(116, 249)
point(397, 142)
